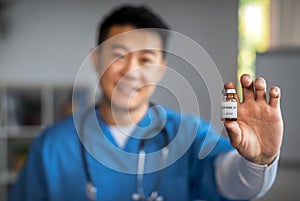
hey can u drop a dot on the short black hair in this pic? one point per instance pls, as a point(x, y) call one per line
point(138, 16)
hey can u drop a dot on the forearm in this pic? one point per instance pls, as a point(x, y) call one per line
point(238, 178)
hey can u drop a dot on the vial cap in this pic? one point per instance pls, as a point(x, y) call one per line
point(228, 91)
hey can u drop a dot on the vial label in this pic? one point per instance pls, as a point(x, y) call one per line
point(228, 110)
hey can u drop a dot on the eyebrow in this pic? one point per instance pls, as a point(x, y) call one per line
point(145, 51)
point(149, 51)
point(118, 46)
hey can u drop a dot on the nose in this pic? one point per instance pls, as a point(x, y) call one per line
point(131, 68)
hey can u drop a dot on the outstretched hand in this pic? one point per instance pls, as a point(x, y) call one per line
point(257, 133)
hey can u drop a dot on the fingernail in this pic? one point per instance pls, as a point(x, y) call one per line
point(275, 91)
point(260, 81)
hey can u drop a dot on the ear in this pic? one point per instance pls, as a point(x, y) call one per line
point(95, 60)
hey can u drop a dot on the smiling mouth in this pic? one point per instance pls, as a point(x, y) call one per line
point(127, 90)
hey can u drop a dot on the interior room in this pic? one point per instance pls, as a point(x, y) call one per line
point(44, 46)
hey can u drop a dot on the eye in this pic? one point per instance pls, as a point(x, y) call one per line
point(146, 60)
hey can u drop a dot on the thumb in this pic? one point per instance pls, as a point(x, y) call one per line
point(234, 133)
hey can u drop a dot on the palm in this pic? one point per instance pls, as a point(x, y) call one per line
point(257, 134)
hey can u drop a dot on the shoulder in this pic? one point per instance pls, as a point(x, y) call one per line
point(184, 124)
point(58, 134)
point(206, 138)
point(185, 119)
point(61, 128)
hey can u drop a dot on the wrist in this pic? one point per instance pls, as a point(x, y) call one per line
point(264, 160)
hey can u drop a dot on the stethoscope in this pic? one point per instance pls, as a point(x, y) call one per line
point(139, 195)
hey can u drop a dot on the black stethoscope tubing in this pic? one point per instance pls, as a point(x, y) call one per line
point(91, 189)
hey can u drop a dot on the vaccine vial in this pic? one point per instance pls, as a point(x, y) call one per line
point(229, 105)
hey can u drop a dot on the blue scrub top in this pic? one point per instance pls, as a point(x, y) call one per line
point(54, 167)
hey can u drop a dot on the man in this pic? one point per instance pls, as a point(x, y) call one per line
point(130, 62)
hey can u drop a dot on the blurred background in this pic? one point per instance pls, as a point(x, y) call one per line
point(43, 44)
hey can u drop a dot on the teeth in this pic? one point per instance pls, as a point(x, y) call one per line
point(127, 89)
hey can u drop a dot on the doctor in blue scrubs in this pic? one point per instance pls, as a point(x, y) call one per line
point(127, 148)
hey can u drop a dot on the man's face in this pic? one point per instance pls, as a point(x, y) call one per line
point(131, 64)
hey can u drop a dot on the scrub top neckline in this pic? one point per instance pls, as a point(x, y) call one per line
point(132, 144)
